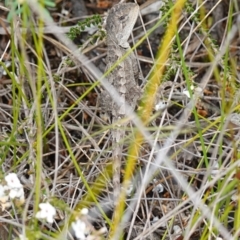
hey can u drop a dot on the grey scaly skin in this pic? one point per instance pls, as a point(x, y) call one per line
point(124, 77)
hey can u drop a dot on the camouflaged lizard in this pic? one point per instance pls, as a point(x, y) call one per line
point(119, 25)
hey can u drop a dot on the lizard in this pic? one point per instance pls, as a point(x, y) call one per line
point(124, 77)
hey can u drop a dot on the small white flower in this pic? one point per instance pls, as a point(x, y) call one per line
point(161, 105)
point(14, 186)
point(84, 211)
point(65, 12)
point(47, 212)
point(13, 181)
point(80, 229)
point(158, 188)
point(16, 193)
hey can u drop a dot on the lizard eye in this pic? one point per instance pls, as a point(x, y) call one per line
point(122, 17)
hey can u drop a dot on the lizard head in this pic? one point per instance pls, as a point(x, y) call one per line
point(120, 23)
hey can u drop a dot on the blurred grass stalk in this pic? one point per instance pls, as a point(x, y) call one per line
point(145, 110)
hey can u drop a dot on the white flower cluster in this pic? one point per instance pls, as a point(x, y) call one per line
point(47, 212)
point(83, 230)
point(80, 227)
point(13, 189)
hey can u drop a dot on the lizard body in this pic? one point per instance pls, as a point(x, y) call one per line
point(124, 77)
